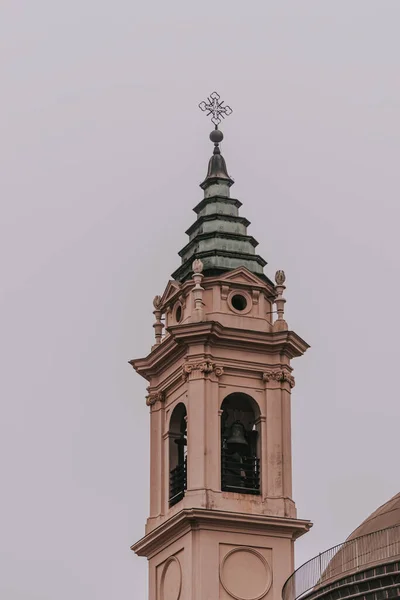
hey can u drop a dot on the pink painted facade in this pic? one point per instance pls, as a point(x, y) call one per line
point(220, 348)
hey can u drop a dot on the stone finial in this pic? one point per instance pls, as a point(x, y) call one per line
point(197, 266)
point(157, 302)
point(280, 277)
point(197, 290)
point(158, 325)
point(280, 324)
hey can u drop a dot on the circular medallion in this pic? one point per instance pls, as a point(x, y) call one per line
point(245, 574)
point(171, 580)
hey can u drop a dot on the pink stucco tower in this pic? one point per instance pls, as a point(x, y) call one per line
point(222, 520)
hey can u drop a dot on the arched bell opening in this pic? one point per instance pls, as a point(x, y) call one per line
point(240, 445)
point(177, 454)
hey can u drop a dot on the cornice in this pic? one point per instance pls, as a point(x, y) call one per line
point(213, 332)
point(196, 519)
point(163, 354)
point(181, 336)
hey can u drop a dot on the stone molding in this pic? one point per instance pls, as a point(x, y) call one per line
point(204, 368)
point(207, 367)
point(278, 375)
point(174, 344)
point(189, 519)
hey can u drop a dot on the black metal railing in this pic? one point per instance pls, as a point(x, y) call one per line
point(177, 483)
point(343, 559)
point(240, 475)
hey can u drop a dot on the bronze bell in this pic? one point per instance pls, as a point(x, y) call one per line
point(237, 435)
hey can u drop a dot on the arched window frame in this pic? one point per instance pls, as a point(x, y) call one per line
point(241, 470)
point(177, 454)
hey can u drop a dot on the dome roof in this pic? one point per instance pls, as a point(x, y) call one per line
point(376, 542)
point(387, 515)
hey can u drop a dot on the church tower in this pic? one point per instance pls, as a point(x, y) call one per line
point(222, 521)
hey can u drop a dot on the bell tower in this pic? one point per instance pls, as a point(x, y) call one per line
point(222, 520)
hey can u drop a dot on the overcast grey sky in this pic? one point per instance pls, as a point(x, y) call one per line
point(102, 150)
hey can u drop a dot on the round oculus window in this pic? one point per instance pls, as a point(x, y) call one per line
point(239, 302)
point(178, 313)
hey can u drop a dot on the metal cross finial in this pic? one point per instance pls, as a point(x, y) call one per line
point(215, 107)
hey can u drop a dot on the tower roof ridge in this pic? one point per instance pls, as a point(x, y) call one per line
point(216, 217)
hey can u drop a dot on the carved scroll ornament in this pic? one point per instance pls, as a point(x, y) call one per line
point(205, 367)
point(154, 397)
point(279, 375)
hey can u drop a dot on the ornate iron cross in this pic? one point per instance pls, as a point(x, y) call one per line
point(215, 107)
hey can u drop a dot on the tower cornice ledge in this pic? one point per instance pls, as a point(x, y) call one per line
point(181, 336)
point(197, 519)
point(212, 331)
point(163, 355)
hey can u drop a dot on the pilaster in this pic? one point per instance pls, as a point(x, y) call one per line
point(156, 454)
point(274, 436)
point(196, 432)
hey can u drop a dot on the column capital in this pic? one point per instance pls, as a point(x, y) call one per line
point(154, 397)
point(201, 369)
point(279, 375)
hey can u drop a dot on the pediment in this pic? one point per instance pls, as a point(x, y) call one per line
point(170, 291)
point(244, 276)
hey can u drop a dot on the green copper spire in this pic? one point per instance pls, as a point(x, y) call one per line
point(219, 235)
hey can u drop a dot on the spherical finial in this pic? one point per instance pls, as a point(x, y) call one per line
point(216, 136)
point(197, 266)
point(280, 277)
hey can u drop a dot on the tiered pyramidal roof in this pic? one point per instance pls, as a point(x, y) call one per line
point(219, 235)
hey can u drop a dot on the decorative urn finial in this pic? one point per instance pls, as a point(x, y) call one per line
point(280, 324)
point(197, 266)
point(280, 277)
point(197, 290)
point(157, 302)
point(158, 325)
